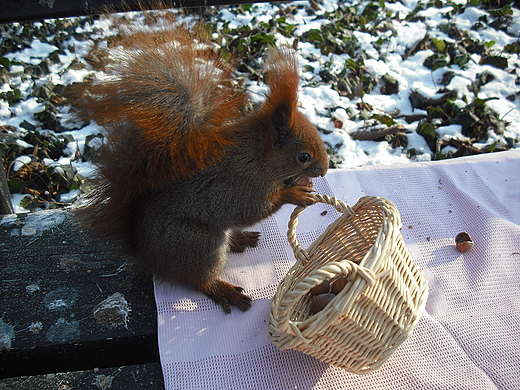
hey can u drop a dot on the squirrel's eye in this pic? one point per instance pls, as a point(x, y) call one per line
point(304, 157)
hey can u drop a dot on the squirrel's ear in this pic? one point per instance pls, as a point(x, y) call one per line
point(281, 101)
point(282, 116)
point(281, 120)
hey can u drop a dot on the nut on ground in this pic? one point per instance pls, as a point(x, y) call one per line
point(463, 242)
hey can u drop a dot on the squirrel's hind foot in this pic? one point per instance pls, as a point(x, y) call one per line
point(239, 241)
point(226, 295)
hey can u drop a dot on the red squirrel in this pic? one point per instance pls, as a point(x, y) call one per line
point(187, 166)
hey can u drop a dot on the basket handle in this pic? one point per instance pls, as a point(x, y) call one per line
point(299, 252)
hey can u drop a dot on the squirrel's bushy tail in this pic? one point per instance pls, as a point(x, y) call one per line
point(175, 92)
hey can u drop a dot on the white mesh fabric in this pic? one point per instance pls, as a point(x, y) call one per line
point(469, 337)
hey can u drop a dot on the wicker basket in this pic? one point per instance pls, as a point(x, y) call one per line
point(379, 306)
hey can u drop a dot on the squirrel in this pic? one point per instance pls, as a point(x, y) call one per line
point(187, 166)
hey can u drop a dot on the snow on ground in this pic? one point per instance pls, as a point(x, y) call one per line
point(318, 100)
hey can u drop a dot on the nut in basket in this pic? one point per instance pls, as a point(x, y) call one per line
point(359, 325)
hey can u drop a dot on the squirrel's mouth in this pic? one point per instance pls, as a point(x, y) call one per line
point(295, 181)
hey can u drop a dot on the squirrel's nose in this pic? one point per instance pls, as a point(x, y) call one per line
point(320, 171)
point(323, 172)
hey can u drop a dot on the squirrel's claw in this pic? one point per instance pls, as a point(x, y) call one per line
point(300, 196)
point(226, 295)
point(307, 197)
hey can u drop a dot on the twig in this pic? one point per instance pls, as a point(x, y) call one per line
point(375, 133)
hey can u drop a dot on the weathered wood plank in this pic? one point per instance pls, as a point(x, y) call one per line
point(145, 376)
point(21, 10)
point(52, 279)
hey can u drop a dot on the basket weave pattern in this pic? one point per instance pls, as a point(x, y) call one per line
point(378, 308)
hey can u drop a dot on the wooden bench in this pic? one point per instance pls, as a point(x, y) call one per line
point(52, 280)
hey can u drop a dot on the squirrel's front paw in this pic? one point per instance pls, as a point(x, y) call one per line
point(225, 294)
point(239, 241)
point(300, 196)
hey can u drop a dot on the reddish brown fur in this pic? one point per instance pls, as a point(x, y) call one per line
point(186, 168)
point(283, 80)
point(180, 144)
point(163, 144)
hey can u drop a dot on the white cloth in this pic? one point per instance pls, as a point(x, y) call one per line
point(469, 337)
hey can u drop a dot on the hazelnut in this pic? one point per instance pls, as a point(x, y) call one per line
point(323, 287)
point(463, 242)
point(338, 284)
point(319, 302)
